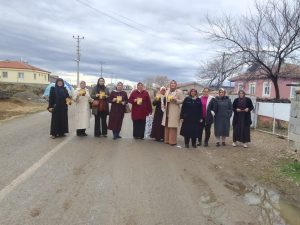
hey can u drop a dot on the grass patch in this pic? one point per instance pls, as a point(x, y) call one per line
point(292, 170)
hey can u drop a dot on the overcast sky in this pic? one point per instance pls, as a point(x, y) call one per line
point(134, 38)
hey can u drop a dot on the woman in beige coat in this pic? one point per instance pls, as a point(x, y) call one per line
point(82, 101)
point(171, 117)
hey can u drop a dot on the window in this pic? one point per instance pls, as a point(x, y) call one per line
point(266, 88)
point(34, 76)
point(21, 76)
point(4, 75)
point(240, 86)
point(252, 88)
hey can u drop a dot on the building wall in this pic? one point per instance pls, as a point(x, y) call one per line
point(285, 91)
point(187, 88)
point(40, 77)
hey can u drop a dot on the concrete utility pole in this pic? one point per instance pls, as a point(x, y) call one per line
point(78, 39)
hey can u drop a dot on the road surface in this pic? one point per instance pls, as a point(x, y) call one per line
point(91, 181)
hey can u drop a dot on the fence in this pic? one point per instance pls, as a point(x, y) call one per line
point(272, 117)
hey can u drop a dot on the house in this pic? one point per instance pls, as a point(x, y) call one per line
point(186, 87)
point(22, 72)
point(255, 83)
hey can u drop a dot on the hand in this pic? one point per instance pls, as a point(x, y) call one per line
point(50, 110)
point(97, 95)
point(238, 110)
point(201, 120)
point(114, 99)
point(123, 103)
point(181, 120)
point(135, 100)
point(246, 110)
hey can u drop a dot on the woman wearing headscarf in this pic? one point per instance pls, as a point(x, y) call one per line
point(82, 101)
point(223, 112)
point(242, 107)
point(58, 106)
point(101, 94)
point(118, 99)
point(191, 116)
point(207, 102)
point(141, 108)
point(171, 117)
point(158, 130)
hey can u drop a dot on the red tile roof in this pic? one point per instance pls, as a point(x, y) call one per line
point(290, 71)
point(19, 65)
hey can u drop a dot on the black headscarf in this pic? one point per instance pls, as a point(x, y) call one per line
point(60, 91)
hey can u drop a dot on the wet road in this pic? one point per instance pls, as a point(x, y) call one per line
point(90, 181)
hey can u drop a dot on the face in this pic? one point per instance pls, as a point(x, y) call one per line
point(140, 87)
point(163, 91)
point(119, 87)
point(221, 93)
point(60, 83)
point(241, 94)
point(173, 85)
point(82, 85)
point(193, 93)
point(101, 82)
point(205, 92)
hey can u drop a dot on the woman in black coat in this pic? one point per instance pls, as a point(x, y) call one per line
point(158, 130)
point(59, 109)
point(242, 107)
point(191, 116)
point(100, 93)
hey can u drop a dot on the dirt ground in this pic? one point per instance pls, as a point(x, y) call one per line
point(14, 107)
point(261, 162)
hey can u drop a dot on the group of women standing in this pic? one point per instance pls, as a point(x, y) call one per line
point(196, 115)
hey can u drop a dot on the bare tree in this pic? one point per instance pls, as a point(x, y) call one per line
point(156, 81)
point(216, 71)
point(269, 36)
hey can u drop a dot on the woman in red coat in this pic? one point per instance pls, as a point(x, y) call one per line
point(141, 108)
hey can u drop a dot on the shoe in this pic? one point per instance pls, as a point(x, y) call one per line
point(245, 146)
point(119, 136)
point(194, 146)
point(199, 144)
point(173, 144)
point(96, 135)
point(234, 144)
point(206, 144)
point(104, 135)
point(52, 136)
point(115, 138)
point(218, 144)
point(187, 146)
point(223, 143)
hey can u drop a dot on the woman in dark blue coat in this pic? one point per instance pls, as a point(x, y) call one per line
point(191, 116)
point(59, 109)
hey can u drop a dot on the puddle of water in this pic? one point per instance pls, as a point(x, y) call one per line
point(274, 210)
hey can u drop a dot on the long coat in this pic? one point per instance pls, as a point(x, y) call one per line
point(157, 131)
point(82, 109)
point(209, 119)
point(247, 117)
point(223, 112)
point(172, 111)
point(191, 113)
point(117, 110)
point(140, 112)
point(59, 119)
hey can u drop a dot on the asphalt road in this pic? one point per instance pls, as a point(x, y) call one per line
point(75, 180)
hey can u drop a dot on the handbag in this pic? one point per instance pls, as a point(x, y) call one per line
point(95, 103)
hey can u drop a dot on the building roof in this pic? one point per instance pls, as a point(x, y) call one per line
point(19, 65)
point(188, 84)
point(290, 71)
